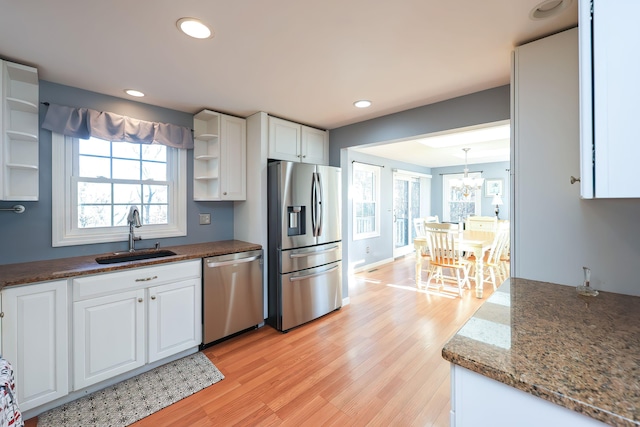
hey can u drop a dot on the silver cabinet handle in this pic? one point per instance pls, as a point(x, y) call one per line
point(140, 299)
point(311, 276)
point(153, 297)
point(306, 254)
point(233, 261)
point(146, 279)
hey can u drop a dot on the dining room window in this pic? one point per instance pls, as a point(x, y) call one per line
point(366, 201)
point(456, 206)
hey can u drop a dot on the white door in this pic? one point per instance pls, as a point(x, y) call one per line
point(108, 336)
point(35, 341)
point(407, 191)
point(175, 323)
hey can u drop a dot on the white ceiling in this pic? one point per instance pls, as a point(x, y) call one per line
point(419, 152)
point(304, 60)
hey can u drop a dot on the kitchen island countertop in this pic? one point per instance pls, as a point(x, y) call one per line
point(580, 352)
point(62, 268)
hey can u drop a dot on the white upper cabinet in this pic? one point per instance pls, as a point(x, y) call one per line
point(219, 157)
point(19, 138)
point(609, 92)
point(297, 143)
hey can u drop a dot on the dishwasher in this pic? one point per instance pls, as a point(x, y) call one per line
point(232, 295)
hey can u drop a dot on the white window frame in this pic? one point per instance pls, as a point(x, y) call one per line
point(376, 173)
point(446, 191)
point(66, 233)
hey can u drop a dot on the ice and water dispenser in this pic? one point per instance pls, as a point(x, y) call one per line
point(296, 225)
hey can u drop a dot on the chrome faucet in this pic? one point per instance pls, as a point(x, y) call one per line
point(134, 221)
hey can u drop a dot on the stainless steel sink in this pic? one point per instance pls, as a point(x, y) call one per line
point(133, 256)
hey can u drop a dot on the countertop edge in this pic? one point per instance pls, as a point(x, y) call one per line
point(64, 268)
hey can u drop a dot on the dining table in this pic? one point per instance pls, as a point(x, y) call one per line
point(475, 241)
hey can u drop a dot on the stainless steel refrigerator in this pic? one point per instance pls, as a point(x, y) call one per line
point(305, 248)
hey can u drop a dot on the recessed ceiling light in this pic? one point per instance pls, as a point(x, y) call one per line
point(134, 92)
point(548, 8)
point(194, 28)
point(363, 103)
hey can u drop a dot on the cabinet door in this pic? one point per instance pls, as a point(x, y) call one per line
point(108, 336)
point(35, 341)
point(284, 140)
point(233, 158)
point(175, 322)
point(609, 67)
point(315, 146)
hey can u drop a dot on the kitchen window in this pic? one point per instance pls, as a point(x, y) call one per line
point(96, 181)
point(457, 207)
point(366, 201)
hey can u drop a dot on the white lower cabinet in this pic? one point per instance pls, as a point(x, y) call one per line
point(108, 336)
point(477, 400)
point(35, 340)
point(126, 319)
point(174, 318)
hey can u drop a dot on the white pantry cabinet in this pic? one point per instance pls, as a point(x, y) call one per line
point(19, 139)
point(297, 143)
point(219, 157)
point(126, 319)
point(35, 340)
point(609, 93)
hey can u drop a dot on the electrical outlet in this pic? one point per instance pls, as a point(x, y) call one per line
point(205, 219)
point(367, 249)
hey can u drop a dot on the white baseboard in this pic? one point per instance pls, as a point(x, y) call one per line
point(372, 265)
point(346, 301)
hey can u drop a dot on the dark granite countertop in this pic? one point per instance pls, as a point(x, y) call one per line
point(580, 352)
point(39, 271)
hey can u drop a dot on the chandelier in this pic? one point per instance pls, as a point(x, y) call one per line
point(466, 185)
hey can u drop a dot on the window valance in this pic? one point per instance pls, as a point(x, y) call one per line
point(85, 122)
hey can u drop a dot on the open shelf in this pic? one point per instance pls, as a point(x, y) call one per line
point(19, 137)
point(22, 105)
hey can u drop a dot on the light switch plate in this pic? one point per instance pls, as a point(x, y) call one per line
point(205, 219)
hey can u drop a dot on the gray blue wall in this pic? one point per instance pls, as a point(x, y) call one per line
point(489, 171)
point(380, 247)
point(27, 236)
point(487, 106)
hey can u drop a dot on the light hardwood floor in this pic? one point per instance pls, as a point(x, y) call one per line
point(375, 362)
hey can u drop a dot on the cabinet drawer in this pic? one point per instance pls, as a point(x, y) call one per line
point(135, 278)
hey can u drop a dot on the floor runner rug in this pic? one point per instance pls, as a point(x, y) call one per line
point(131, 400)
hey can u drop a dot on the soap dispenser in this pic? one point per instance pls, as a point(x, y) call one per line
point(585, 289)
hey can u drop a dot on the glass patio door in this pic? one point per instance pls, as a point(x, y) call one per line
point(406, 207)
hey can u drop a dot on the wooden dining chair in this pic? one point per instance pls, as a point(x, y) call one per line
point(492, 262)
point(444, 252)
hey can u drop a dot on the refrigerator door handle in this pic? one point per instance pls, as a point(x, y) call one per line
point(315, 205)
point(306, 254)
point(319, 207)
point(310, 276)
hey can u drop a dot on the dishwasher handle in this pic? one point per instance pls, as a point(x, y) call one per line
point(211, 264)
